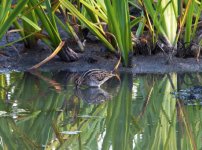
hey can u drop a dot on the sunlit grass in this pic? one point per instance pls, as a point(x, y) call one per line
point(164, 17)
point(192, 18)
point(8, 15)
point(119, 26)
point(93, 27)
point(112, 22)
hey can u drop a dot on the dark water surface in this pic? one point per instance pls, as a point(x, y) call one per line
point(46, 111)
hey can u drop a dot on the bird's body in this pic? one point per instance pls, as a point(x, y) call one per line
point(94, 78)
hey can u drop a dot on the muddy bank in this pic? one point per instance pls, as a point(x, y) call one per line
point(21, 60)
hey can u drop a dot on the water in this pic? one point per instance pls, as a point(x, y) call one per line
point(45, 111)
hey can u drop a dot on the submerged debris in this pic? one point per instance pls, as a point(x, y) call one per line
point(190, 96)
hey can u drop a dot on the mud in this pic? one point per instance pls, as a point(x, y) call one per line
point(19, 59)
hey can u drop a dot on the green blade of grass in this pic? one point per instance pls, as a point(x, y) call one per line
point(69, 29)
point(183, 20)
point(119, 26)
point(49, 27)
point(5, 10)
point(151, 11)
point(21, 39)
point(136, 21)
point(17, 10)
point(198, 14)
point(90, 25)
point(188, 26)
point(169, 19)
point(101, 15)
point(31, 23)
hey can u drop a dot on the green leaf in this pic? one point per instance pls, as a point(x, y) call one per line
point(17, 10)
point(30, 22)
point(89, 24)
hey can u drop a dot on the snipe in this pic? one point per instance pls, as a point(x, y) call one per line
point(94, 78)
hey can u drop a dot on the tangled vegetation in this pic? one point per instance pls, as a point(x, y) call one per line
point(119, 24)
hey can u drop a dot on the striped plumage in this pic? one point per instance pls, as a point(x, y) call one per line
point(94, 78)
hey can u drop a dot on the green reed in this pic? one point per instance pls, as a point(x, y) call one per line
point(48, 21)
point(39, 20)
point(192, 20)
point(119, 26)
point(8, 16)
point(92, 27)
point(2, 86)
point(163, 14)
point(28, 27)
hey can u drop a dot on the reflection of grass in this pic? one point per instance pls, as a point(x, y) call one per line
point(112, 22)
point(161, 130)
point(13, 137)
point(35, 96)
point(159, 120)
point(122, 123)
point(190, 118)
point(90, 127)
point(2, 87)
point(43, 103)
point(190, 126)
point(118, 117)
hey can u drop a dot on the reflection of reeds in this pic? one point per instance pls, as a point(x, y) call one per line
point(189, 116)
point(42, 102)
point(161, 129)
point(122, 123)
point(13, 137)
point(118, 117)
point(187, 124)
point(166, 133)
point(2, 87)
point(53, 83)
point(145, 103)
point(159, 120)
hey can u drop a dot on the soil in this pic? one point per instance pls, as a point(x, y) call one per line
point(94, 56)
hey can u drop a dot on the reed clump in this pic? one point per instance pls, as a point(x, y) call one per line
point(121, 25)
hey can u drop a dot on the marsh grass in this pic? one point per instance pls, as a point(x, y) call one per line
point(8, 15)
point(92, 27)
point(110, 21)
point(48, 22)
point(164, 17)
point(192, 19)
point(119, 26)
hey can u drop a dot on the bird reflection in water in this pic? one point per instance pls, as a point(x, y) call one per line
point(93, 95)
point(97, 95)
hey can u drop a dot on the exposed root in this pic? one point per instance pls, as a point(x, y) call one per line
point(67, 54)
